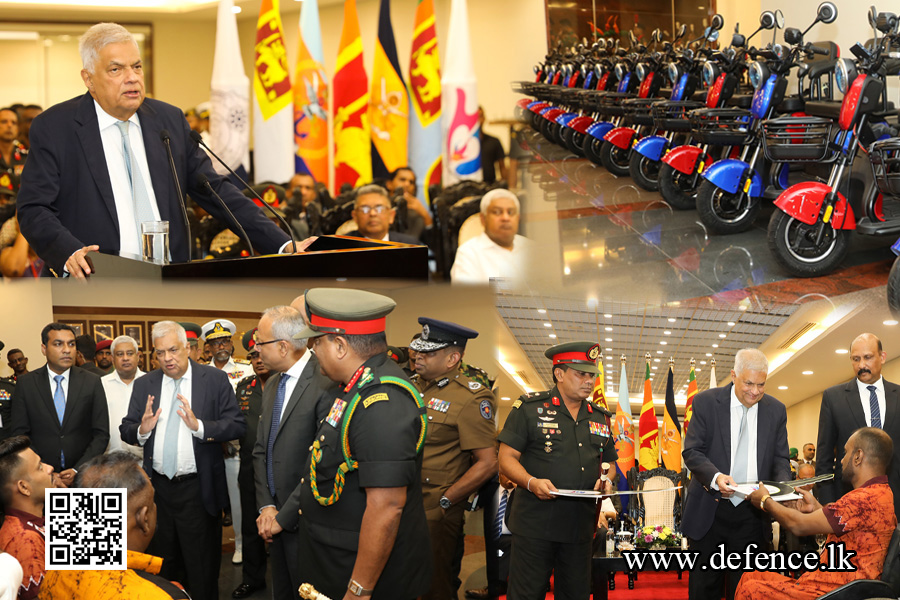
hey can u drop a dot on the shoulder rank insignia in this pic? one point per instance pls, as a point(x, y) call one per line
point(366, 377)
point(517, 404)
point(443, 382)
point(336, 412)
point(439, 405)
point(474, 386)
point(374, 398)
point(486, 411)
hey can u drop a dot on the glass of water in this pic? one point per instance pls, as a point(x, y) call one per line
point(155, 242)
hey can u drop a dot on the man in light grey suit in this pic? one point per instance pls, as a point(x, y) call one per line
point(867, 400)
point(290, 415)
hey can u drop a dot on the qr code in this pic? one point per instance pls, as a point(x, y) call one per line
point(85, 529)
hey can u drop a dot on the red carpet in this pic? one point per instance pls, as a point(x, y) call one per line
point(650, 585)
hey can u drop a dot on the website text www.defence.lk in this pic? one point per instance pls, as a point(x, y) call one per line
point(837, 559)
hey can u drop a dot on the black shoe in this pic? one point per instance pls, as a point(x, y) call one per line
point(245, 590)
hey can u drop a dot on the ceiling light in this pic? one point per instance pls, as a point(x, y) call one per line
point(663, 343)
point(742, 307)
point(667, 333)
point(607, 316)
point(609, 349)
point(607, 339)
point(548, 324)
point(655, 360)
point(608, 328)
point(889, 322)
point(504, 397)
point(659, 351)
point(841, 351)
point(236, 9)
point(722, 335)
point(715, 345)
point(653, 367)
point(782, 387)
point(671, 319)
point(567, 271)
point(542, 311)
point(707, 354)
point(731, 323)
point(807, 372)
point(552, 336)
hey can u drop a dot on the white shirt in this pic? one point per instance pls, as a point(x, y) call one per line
point(129, 238)
point(864, 398)
point(118, 395)
point(480, 259)
point(293, 375)
point(186, 461)
point(736, 411)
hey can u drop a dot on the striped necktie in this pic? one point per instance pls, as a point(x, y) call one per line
point(873, 406)
point(273, 430)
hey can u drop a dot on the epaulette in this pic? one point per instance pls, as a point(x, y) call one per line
point(242, 361)
point(246, 380)
point(535, 396)
point(602, 410)
point(478, 374)
point(11, 379)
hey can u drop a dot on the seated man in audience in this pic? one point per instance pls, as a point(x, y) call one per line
point(374, 216)
point(23, 479)
point(862, 521)
point(301, 192)
point(498, 252)
point(140, 579)
point(402, 183)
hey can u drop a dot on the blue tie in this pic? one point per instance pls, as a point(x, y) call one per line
point(59, 401)
point(170, 439)
point(143, 211)
point(273, 429)
point(873, 406)
point(501, 512)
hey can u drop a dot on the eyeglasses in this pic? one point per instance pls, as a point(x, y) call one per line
point(376, 209)
point(259, 343)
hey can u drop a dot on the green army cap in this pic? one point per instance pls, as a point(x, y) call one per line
point(193, 332)
point(249, 340)
point(581, 356)
point(344, 312)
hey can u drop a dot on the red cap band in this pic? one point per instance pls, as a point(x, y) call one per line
point(566, 357)
point(350, 327)
point(191, 335)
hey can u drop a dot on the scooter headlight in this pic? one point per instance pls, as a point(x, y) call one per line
point(758, 74)
point(621, 71)
point(674, 73)
point(844, 74)
point(710, 73)
point(642, 71)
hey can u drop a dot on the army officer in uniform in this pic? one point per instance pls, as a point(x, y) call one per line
point(555, 440)
point(363, 531)
point(461, 447)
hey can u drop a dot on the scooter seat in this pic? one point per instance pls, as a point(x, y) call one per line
point(699, 96)
point(791, 105)
point(830, 109)
point(740, 101)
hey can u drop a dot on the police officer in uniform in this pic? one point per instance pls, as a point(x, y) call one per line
point(249, 396)
point(460, 450)
point(363, 531)
point(555, 440)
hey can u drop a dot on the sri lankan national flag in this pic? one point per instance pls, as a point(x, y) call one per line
point(425, 99)
point(691, 392)
point(311, 98)
point(671, 433)
point(598, 397)
point(648, 428)
point(389, 102)
point(352, 145)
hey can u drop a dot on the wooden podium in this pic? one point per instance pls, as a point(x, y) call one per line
point(329, 256)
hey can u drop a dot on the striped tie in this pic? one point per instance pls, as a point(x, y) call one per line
point(501, 512)
point(873, 406)
point(273, 430)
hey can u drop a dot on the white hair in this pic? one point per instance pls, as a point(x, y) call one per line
point(123, 339)
point(494, 195)
point(164, 328)
point(750, 359)
point(97, 38)
point(372, 188)
point(286, 321)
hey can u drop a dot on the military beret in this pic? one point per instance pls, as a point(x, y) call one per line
point(102, 345)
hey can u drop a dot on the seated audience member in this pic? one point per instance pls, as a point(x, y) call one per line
point(140, 579)
point(301, 192)
point(12, 153)
point(862, 520)
point(374, 216)
point(498, 252)
point(117, 386)
point(17, 258)
point(402, 183)
point(23, 479)
point(26, 116)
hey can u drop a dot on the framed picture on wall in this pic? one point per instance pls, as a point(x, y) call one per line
point(103, 331)
point(134, 330)
point(79, 326)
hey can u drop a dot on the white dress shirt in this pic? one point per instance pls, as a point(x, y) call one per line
point(186, 462)
point(129, 238)
point(118, 396)
point(864, 398)
point(736, 411)
point(480, 259)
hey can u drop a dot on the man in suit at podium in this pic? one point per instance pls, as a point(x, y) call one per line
point(98, 168)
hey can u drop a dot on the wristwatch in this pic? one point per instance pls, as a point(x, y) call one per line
point(445, 502)
point(358, 590)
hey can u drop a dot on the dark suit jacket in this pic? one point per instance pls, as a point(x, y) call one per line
point(840, 415)
point(296, 430)
point(707, 451)
point(214, 403)
point(393, 236)
point(66, 198)
point(84, 432)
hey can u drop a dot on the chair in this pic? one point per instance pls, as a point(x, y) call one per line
point(346, 227)
point(886, 587)
point(470, 228)
point(658, 508)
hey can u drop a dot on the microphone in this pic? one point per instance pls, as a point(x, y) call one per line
point(203, 180)
point(164, 136)
point(198, 139)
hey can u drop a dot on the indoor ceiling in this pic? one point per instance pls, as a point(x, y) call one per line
point(131, 10)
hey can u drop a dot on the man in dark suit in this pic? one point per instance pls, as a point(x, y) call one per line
point(63, 410)
point(374, 216)
point(98, 167)
point(193, 409)
point(291, 411)
point(867, 400)
point(738, 434)
point(495, 496)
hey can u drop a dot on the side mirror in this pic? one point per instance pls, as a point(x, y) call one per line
point(826, 13)
point(779, 19)
point(681, 31)
point(632, 37)
point(767, 20)
point(657, 36)
point(718, 22)
point(873, 16)
point(713, 36)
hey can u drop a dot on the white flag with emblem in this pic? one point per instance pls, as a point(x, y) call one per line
point(229, 123)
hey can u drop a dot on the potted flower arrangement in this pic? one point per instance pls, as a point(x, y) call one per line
point(657, 538)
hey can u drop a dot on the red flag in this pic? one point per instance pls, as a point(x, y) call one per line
point(352, 142)
point(691, 392)
point(598, 397)
point(648, 428)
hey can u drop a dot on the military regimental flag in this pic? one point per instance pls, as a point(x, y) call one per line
point(311, 98)
point(670, 445)
point(459, 116)
point(598, 397)
point(623, 429)
point(229, 96)
point(425, 100)
point(388, 101)
point(712, 375)
point(352, 146)
point(648, 428)
point(691, 392)
point(273, 106)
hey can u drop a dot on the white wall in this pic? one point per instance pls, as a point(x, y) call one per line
point(25, 307)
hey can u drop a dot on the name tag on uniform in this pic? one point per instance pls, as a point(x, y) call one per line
point(439, 405)
point(549, 425)
point(336, 412)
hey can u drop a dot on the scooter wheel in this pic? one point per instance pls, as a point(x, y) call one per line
point(893, 289)
point(576, 143)
point(793, 244)
point(725, 213)
point(676, 188)
point(644, 171)
point(565, 136)
point(615, 159)
point(591, 149)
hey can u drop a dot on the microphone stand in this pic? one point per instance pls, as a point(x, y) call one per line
point(164, 135)
point(203, 180)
